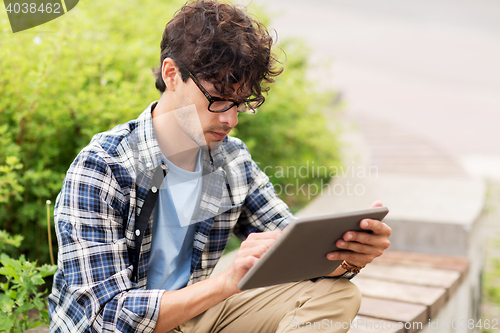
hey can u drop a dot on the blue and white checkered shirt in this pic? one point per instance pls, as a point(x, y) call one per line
point(95, 215)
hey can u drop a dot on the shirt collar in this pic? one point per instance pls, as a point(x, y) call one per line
point(149, 151)
point(150, 154)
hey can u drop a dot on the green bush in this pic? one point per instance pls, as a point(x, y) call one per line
point(90, 70)
point(19, 291)
point(60, 84)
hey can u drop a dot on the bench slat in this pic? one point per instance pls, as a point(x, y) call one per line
point(394, 311)
point(459, 264)
point(422, 276)
point(434, 298)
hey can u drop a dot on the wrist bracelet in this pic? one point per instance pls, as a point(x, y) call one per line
point(351, 268)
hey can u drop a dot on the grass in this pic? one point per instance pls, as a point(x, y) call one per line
point(491, 275)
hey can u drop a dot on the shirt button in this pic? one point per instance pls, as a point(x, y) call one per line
point(137, 232)
point(149, 165)
point(154, 189)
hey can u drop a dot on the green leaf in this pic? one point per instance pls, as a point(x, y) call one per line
point(45, 315)
point(24, 307)
point(6, 238)
point(22, 296)
point(6, 323)
point(47, 270)
point(35, 324)
point(12, 294)
point(5, 259)
point(6, 304)
point(37, 279)
point(9, 271)
point(37, 302)
point(15, 264)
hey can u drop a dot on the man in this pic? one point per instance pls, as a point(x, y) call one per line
point(123, 268)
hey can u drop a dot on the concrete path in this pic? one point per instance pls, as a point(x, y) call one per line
point(429, 68)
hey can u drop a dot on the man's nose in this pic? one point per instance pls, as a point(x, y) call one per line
point(230, 117)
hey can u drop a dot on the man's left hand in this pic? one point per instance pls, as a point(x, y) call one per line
point(363, 247)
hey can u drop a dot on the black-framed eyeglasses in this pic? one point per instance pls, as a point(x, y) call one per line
point(222, 104)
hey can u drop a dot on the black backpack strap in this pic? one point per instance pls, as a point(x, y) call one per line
point(143, 218)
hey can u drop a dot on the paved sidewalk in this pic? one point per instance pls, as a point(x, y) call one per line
point(397, 151)
point(429, 67)
point(419, 183)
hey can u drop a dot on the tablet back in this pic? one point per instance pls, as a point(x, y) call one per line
point(300, 252)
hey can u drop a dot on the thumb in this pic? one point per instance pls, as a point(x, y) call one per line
point(376, 204)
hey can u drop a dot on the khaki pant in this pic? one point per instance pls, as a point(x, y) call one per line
point(326, 305)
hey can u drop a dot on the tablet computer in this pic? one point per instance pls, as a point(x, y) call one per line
point(300, 252)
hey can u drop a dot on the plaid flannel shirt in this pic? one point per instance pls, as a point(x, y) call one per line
point(95, 214)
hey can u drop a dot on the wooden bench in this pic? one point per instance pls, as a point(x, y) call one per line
point(402, 291)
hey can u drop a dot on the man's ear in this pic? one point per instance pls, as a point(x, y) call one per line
point(170, 73)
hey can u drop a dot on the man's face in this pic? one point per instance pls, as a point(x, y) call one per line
point(214, 126)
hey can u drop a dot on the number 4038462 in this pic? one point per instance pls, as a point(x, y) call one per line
point(33, 8)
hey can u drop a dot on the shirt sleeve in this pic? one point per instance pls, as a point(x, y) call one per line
point(92, 288)
point(262, 210)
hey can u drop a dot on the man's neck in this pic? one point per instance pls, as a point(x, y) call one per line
point(173, 141)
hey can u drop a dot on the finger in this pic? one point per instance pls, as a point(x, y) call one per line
point(376, 226)
point(245, 262)
point(376, 204)
point(264, 238)
point(352, 258)
point(249, 244)
point(254, 251)
point(379, 241)
point(374, 251)
point(264, 235)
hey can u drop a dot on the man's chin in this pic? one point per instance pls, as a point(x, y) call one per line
point(212, 145)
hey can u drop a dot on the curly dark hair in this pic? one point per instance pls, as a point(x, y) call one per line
point(221, 44)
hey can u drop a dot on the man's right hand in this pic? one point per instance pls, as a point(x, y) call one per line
point(250, 250)
point(178, 306)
